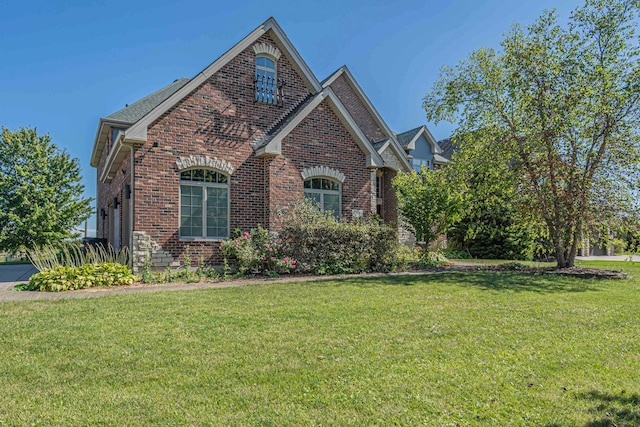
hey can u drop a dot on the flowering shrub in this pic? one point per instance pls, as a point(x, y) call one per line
point(323, 244)
point(256, 252)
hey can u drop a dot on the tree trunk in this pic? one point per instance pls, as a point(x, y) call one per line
point(566, 257)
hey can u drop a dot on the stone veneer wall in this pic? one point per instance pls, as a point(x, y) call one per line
point(145, 249)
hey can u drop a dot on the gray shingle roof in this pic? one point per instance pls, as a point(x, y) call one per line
point(283, 121)
point(448, 148)
point(405, 138)
point(378, 144)
point(134, 112)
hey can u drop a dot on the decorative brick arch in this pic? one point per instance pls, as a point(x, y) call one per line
point(322, 171)
point(204, 162)
point(265, 49)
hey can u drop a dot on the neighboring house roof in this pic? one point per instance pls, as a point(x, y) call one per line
point(408, 139)
point(448, 148)
point(393, 143)
point(438, 159)
point(405, 138)
point(134, 112)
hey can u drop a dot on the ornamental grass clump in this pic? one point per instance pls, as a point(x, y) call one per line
point(69, 267)
point(73, 255)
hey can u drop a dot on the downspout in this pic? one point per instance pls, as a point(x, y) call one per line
point(131, 200)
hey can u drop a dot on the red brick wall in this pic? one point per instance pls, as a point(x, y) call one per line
point(357, 110)
point(105, 196)
point(218, 119)
point(319, 140)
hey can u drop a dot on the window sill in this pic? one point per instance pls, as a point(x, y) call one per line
point(201, 239)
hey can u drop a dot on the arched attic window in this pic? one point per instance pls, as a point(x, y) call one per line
point(267, 85)
point(204, 204)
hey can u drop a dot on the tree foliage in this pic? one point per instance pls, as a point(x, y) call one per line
point(427, 202)
point(41, 197)
point(559, 107)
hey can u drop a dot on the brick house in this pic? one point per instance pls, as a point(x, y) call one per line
point(239, 143)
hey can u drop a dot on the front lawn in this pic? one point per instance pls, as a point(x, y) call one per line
point(442, 349)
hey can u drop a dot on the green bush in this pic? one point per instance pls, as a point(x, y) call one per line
point(257, 251)
point(406, 256)
point(431, 259)
point(65, 278)
point(492, 231)
point(453, 253)
point(323, 244)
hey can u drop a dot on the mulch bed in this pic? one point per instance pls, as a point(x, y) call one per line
point(579, 272)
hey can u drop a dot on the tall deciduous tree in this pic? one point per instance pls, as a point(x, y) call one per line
point(41, 197)
point(562, 105)
point(427, 202)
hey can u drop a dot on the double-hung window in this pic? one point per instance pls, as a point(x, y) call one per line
point(325, 193)
point(204, 204)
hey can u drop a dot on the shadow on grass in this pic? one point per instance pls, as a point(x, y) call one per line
point(620, 409)
point(496, 281)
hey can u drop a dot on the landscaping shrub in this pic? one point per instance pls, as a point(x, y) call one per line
point(431, 258)
point(492, 231)
point(257, 251)
point(453, 253)
point(406, 256)
point(323, 244)
point(65, 278)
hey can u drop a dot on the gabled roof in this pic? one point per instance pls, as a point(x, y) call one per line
point(408, 139)
point(448, 148)
point(134, 112)
point(289, 116)
point(380, 145)
point(393, 143)
point(271, 144)
point(136, 134)
point(405, 138)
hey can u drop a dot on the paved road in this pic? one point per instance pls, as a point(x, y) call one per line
point(11, 275)
point(634, 258)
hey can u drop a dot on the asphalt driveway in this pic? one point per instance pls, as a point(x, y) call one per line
point(11, 275)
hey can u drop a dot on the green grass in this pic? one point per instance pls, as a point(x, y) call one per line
point(495, 349)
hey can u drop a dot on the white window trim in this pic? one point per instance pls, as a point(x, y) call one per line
point(203, 237)
point(323, 192)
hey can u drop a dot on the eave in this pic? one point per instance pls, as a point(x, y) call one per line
point(102, 134)
point(117, 155)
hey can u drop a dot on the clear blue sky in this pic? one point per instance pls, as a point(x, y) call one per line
point(64, 64)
